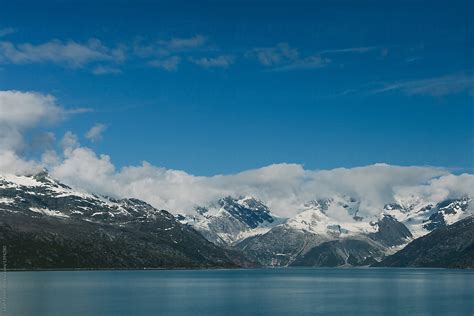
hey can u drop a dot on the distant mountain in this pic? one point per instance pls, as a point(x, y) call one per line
point(323, 232)
point(246, 224)
point(229, 220)
point(344, 252)
point(359, 249)
point(287, 245)
point(423, 216)
point(449, 246)
point(46, 224)
point(280, 246)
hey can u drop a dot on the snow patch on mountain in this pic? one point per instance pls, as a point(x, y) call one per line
point(421, 216)
point(336, 217)
point(41, 194)
point(229, 220)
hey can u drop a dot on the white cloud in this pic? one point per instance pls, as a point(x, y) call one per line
point(70, 53)
point(90, 172)
point(270, 56)
point(94, 134)
point(436, 86)
point(310, 62)
point(100, 59)
point(179, 44)
point(448, 186)
point(170, 46)
point(106, 70)
point(22, 111)
point(222, 61)
point(283, 57)
point(168, 64)
point(27, 108)
point(28, 113)
point(284, 187)
point(11, 163)
point(69, 141)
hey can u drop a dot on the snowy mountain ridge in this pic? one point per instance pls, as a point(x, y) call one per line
point(229, 220)
point(22, 193)
point(335, 230)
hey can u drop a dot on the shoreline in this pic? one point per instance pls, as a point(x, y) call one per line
point(231, 269)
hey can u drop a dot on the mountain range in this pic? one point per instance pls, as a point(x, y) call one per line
point(324, 232)
point(49, 225)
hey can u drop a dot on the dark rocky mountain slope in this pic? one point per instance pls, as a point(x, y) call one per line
point(48, 225)
point(449, 247)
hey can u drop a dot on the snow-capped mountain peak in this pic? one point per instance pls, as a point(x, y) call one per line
point(231, 219)
point(336, 216)
point(41, 195)
point(422, 216)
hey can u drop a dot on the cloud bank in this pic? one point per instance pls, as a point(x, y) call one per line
point(284, 187)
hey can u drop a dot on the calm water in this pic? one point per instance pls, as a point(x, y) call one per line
point(243, 292)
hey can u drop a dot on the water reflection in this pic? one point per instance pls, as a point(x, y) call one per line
point(243, 292)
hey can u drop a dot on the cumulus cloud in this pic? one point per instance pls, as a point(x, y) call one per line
point(27, 108)
point(95, 172)
point(222, 61)
point(94, 134)
point(23, 117)
point(22, 111)
point(69, 141)
point(69, 53)
point(11, 163)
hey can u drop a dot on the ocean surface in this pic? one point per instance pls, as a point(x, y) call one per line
point(240, 292)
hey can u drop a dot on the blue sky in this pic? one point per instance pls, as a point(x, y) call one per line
point(215, 88)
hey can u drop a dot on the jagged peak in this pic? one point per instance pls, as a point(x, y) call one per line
point(44, 177)
point(248, 202)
